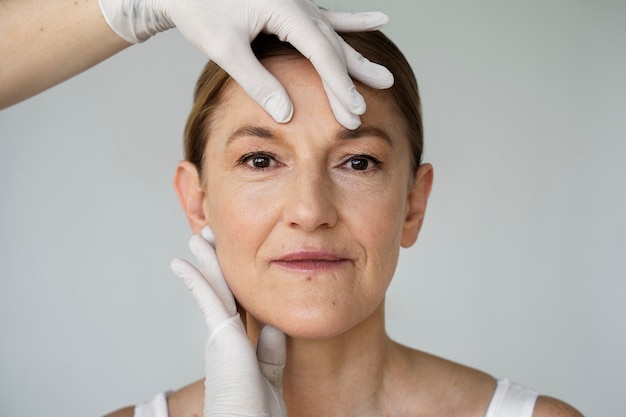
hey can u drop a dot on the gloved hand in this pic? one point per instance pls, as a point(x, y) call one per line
point(239, 382)
point(223, 30)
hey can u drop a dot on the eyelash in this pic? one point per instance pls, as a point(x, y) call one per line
point(378, 164)
point(249, 157)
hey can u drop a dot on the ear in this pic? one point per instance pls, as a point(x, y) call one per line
point(191, 195)
point(416, 204)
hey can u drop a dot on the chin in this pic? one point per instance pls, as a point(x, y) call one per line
point(313, 324)
point(312, 333)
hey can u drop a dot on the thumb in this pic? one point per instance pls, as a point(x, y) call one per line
point(272, 354)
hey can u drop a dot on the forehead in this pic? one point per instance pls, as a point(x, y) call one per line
point(312, 109)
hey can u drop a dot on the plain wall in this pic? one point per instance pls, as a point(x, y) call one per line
point(519, 269)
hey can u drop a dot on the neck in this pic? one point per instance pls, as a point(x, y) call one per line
point(343, 375)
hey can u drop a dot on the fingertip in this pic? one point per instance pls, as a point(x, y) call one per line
point(383, 18)
point(259, 83)
point(362, 69)
point(280, 108)
point(356, 22)
point(357, 105)
point(352, 123)
point(272, 332)
point(380, 77)
point(271, 346)
point(175, 266)
point(201, 249)
point(207, 234)
point(179, 267)
point(194, 244)
point(387, 80)
point(376, 19)
point(348, 118)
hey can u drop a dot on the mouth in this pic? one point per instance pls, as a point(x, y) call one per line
point(311, 261)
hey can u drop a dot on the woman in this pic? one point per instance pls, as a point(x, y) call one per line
point(308, 219)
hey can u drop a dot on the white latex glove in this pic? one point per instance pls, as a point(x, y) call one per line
point(239, 382)
point(223, 30)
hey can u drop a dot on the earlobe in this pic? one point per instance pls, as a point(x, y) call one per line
point(191, 195)
point(416, 204)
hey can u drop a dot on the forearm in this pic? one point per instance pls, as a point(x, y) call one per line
point(45, 42)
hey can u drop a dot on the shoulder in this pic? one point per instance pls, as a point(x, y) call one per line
point(187, 401)
point(467, 390)
point(551, 407)
point(472, 390)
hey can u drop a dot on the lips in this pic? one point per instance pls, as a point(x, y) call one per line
point(310, 261)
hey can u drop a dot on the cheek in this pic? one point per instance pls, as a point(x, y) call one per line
point(377, 216)
point(377, 222)
point(242, 209)
point(240, 220)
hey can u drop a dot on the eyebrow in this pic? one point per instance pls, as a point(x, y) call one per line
point(360, 132)
point(365, 131)
point(251, 130)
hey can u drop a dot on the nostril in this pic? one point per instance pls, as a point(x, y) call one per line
point(311, 212)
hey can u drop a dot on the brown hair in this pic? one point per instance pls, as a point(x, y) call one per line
point(375, 46)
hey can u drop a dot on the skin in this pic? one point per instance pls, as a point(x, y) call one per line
point(310, 198)
point(43, 43)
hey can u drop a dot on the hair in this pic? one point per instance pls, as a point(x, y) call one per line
point(374, 45)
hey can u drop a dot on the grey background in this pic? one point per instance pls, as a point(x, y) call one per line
point(519, 269)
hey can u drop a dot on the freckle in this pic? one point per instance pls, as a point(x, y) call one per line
point(333, 303)
point(40, 29)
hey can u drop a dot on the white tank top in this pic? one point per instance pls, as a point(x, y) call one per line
point(509, 400)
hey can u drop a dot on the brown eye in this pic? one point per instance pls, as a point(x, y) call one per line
point(364, 164)
point(360, 164)
point(257, 161)
point(260, 162)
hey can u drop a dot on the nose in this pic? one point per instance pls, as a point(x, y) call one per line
point(310, 203)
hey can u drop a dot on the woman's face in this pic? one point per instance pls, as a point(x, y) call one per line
point(309, 217)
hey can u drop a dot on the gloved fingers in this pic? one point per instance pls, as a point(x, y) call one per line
point(317, 41)
point(367, 72)
point(234, 385)
point(344, 117)
point(210, 268)
point(272, 354)
point(208, 235)
point(274, 399)
point(243, 66)
point(355, 22)
point(271, 348)
point(210, 304)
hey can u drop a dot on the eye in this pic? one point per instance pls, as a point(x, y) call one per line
point(363, 163)
point(257, 160)
point(360, 164)
point(260, 161)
